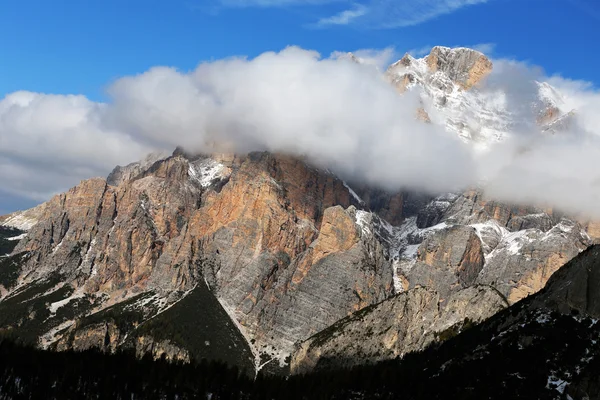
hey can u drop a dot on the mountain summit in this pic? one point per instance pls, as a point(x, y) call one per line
point(451, 83)
point(257, 259)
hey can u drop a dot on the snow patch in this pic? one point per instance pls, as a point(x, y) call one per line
point(556, 383)
point(514, 242)
point(20, 221)
point(22, 236)
point(353, 193)
point(364, 220)
point(490, 226)
point(205, 171)
point(58, 304)
point(404, 244)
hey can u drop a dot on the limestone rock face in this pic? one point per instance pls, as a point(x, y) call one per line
point(517, 249)
point(23, 220)
point(159, 349)
point(110, 239)
point(422, 115)
point(405, 323)
point(275, 238)
point(102, 336)
point(539, 256)
point(465, 67)
point(575, 286)
point(448, 82)
point(123, 174)
point(593, 230)
point(451, 85)
point(449, 259)
point(389, 206)
point(457, 249)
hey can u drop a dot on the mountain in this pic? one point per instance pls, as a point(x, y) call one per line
point(274, 239)
point(450, 83)
point(544, 347)
point(257, 259)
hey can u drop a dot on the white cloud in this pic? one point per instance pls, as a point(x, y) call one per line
point(292, 101)
point(369, 13)
point(295, 102)
point(554, 170)
point(380, 58)
point(396, 14)
point(274, 3)
point(421, 51)
point(339, 114)
point(49, 142)
point(345, 17)
point(485, 48)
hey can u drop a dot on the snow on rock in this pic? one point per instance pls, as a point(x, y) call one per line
point(53, 307)
point(364, 219)
point(556, 383)
point(404, 244)
point(206, 170)
point(20, 220)
point(515, 241)
point(17, 237)
point(480, 115)
point(491, 234)
point(353, 193)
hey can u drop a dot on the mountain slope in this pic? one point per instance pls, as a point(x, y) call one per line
point(451, 83)
point(262, 231)
point(286, 249)
point(544, 347)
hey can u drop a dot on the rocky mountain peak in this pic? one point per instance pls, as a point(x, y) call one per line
point(450, 82)
point(405, 61)
point(465, 67)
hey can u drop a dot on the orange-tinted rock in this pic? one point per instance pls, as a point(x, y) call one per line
point(422, 115)
point(263, 234)
point(465, 67)
point(457, 249)
point(338, 233)
point(593, 230)
point(549, 115)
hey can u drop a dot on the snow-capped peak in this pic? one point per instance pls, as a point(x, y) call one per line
point(451, 84)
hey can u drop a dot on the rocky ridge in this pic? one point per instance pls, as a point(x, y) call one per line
point(285, 249)
point(451, 85)
point(406, 323)
point(268, 235)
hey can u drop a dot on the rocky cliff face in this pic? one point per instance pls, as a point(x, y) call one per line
point(283, 249)
point(451, 85)
point(277, 242)
point(465, 67)
point(542, 347)
point(405, 323)
point(454, 245)
point(274, 238)
point(458, 240)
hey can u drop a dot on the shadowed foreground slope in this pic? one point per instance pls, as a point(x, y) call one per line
point(545, 347)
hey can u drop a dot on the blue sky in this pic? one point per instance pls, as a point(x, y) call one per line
point(82, 46)
point(74, 46)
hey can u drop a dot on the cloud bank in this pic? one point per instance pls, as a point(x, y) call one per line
point(341, 115)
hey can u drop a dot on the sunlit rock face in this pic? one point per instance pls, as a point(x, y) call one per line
point(275, 239)
point(278, 250)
